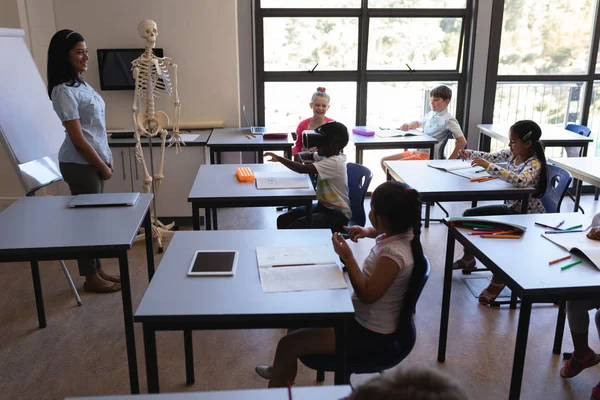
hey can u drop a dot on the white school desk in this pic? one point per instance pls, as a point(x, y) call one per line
point(234, 139)
point(583, 169)
point(43, 228)
point(552, 136)
point(435, 185)
point(175, 301)
point(527, 274)
point(363, 143)
point(298, 393)
point(217, 186)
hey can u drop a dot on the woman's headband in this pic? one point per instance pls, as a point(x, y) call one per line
point(70, 33)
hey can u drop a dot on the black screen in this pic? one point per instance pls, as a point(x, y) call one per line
point(214, 261)
point(114, 66)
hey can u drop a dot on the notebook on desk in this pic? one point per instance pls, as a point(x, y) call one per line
point(255, 130)
point(104, 200)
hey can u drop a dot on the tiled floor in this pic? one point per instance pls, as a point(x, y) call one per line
point(82, 351)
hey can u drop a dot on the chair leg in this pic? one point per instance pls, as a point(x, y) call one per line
point(573, 198)
point(596, 193)
point(320, 376)
point(71, 284)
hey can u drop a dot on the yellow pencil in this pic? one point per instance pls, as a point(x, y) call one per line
point(559, 260)
point(500, 236)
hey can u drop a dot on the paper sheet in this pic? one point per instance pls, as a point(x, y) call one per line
point(309, 277)
point(187, 137)
point(397, 133)
point(322, 273)
point(577, 241)
point(280, 180)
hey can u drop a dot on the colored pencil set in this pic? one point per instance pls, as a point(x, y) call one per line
point(491, 232)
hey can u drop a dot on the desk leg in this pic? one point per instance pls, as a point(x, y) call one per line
point(260, 158)
point(215, 227)
point(524, 204)
point(584, 150)
point(341, 374)
point(309, 213)
point(151, 360)
point(560, 326)
point(427, 213)
point(520, 349)
point(212, 156)
point(446, 298)
point(188, 345)
point(218, 157)
point(388, 176)
point(128, 317)
point(37, 291)
point(195, 217)
point(207, 216)
point(578, 185)
point(149, 245)
point(513, 300)
point(359, 156)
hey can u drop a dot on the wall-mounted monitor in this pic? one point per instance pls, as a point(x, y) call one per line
point(114, 66)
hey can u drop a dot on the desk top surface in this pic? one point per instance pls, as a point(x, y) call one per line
point(426, 140)
point(550, 133)
point(526, 259)
point(427, 180)
point(584, 168)
point(173, 294)
point(204, 186)
point(45, 224)
point(189, 137)
point(298, 393)
point(237, 137)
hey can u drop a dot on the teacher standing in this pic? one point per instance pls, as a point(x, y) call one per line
point(85, 160)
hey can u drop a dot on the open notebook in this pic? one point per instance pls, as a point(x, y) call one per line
point(287, 269)
point(281, 180)
point(386, 133)
point(460, 168)
point(578, 242)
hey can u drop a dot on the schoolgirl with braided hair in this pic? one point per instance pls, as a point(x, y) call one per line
point(380, 287)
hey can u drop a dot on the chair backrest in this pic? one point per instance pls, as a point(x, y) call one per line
point(559, 180)
point(581, 130)
point(442, 149)
point(406, 332)
point(359, 179)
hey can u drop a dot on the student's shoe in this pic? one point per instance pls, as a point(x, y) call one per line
point(595, 393)
point(264, 371)
point(115, 287)
point(490, 293)
point(464, 265)
point(574, 365)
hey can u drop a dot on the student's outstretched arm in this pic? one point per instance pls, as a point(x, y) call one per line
point(372, 288)
point(293, 165)
point(461, 143)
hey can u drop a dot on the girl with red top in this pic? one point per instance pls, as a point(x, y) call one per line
point(319, 104)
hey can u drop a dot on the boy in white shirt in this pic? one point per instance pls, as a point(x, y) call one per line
point(436, 123)
point(332, 209)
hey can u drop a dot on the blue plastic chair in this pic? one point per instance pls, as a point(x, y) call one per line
point(359, 179)
point(559, 180)
point(440, 156)
point(405, 341)
point(576, 152)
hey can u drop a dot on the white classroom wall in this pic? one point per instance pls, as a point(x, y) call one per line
point(201, 36)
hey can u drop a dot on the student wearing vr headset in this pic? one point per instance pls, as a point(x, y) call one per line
point(332, 209)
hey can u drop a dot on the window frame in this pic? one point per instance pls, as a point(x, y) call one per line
point(362, 76)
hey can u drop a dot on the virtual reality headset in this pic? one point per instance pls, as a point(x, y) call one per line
point(331, 132)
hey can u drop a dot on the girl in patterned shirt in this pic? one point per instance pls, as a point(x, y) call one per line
point(526, 167)
point(379, 287)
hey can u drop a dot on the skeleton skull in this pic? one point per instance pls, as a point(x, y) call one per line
point(149, 31)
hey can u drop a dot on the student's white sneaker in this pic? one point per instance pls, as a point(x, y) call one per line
point(264, 371)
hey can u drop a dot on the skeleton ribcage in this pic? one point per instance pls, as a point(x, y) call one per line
point(150, 83)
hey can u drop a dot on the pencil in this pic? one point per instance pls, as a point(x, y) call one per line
point(559, 259)
point(482, 233)
point(573, 227)
point(476, 225)
point(481, 170)
point(565, 231)
point(505, 232)
point(548, 226)
point(559, 224)
point(248, 136)
point(500, 236)
point(570, 265)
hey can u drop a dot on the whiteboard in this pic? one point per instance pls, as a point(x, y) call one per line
point(30, 130)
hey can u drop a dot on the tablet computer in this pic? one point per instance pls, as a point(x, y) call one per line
point(213, 262)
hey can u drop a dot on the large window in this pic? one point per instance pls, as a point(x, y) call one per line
point(378, 59)
point(541, 68)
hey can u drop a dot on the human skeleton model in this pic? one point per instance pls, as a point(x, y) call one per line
point(152, 80)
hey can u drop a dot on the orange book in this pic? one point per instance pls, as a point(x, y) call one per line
point(244, 174)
